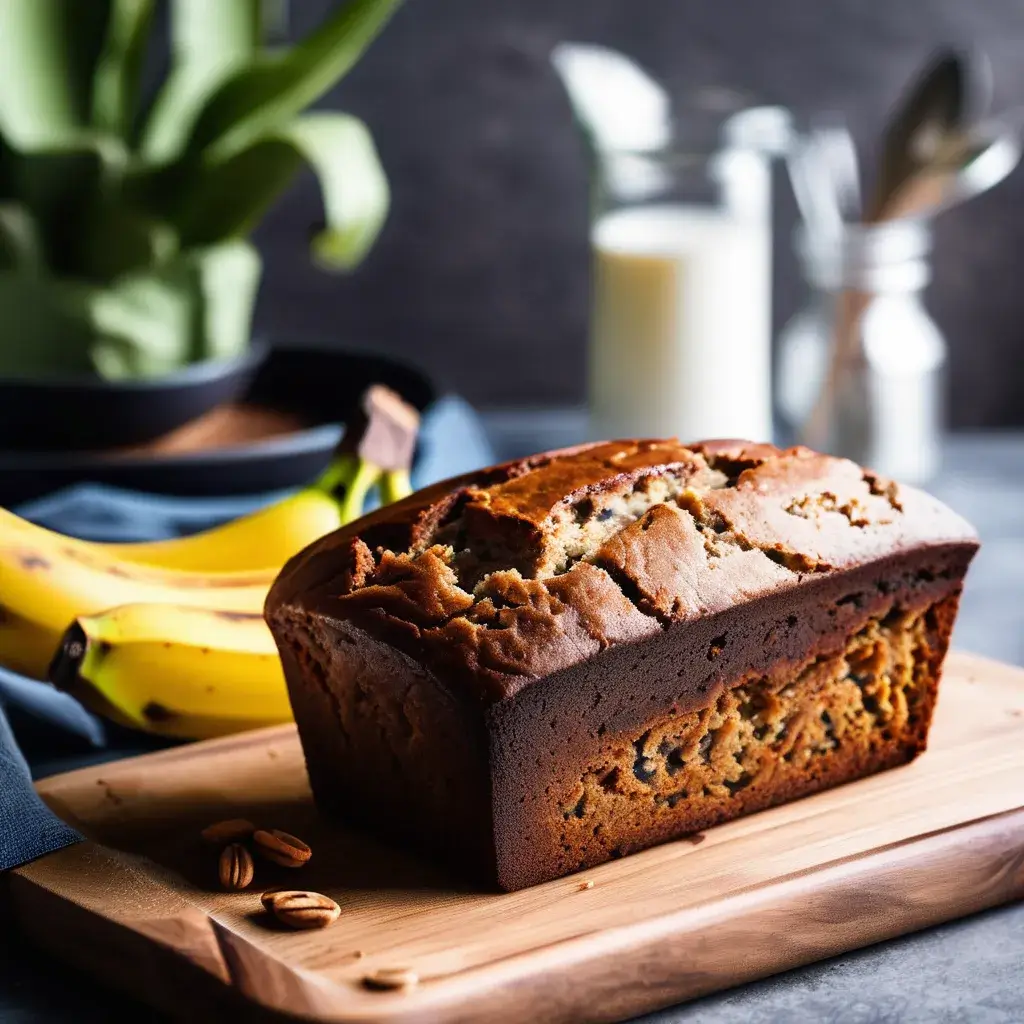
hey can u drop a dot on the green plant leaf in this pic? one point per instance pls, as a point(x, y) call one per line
point(214, 201)
point(228, 278)
point(227, 199)
point(355, 189)
point(116, 79)
point(44, 326)
point(36, 101)
point(199, 306)
point(276, 88)
point(47, 52)
point(20, 246)
point(8, 160)
point(59, 185)
point(210, 40)
point(143, 323)
point(113, 239)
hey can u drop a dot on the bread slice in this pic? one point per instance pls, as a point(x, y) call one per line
point(535, 668)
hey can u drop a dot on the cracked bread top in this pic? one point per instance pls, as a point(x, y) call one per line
point(500, 577)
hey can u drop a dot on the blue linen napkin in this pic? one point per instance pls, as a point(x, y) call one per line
point(28, 829)
point(452, 441)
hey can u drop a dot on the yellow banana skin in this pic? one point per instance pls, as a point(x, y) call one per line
point(169, 646)
point(47, 580)
point(174, 671)
point(264, 539)
point(25, 647)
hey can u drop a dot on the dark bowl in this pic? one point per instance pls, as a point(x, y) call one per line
point(89, 413)
point(317, 385)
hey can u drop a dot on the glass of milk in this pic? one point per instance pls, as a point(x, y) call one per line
point(680, 340)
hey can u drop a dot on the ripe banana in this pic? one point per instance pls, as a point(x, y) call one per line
point(377, 448)
point(264, 539)
point(175, 671)
point(169, 637)
point(47, 579)
point(24, 645)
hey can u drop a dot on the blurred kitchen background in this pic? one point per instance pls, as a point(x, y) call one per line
point(481, 273)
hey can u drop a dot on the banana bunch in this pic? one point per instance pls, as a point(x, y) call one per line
point(169, 636)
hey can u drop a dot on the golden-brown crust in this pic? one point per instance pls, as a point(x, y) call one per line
point(533, 668)
point(500, 577)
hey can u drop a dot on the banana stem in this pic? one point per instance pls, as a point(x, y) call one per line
point(349, 478)
point(335, 479)
point(394, 486)
point(352, 500)
point(66, 673)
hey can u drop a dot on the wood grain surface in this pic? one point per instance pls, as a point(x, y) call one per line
point(137, 905)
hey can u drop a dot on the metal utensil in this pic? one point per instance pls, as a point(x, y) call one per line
point(839, 156)
point(814, 187)
point(966, 165)
point(935, 107)
point(979, 84)
point(968, 162)
point(933, 157)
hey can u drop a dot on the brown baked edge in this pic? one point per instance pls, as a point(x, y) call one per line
point(764, 741)
point(583, 735)
point(493, 791)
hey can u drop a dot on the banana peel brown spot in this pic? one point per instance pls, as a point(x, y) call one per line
point(154, 712)
point(30, 560)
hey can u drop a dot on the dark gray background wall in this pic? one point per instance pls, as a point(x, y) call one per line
point(481, 274)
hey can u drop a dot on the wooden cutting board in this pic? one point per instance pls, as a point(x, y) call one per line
point(135, 905)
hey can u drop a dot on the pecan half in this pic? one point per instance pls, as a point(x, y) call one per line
point(234, 830)
point(300, 909)
point(281, 848)
point(236, 867)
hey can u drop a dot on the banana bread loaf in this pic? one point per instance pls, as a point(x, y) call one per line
point(535, 668)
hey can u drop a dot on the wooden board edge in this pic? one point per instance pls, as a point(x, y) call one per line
point(620, 972)
point(185, 751)
point(179, 960)
point(167, 961)
point(790, 922)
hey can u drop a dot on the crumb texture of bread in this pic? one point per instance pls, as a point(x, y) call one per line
point(767, 739)
point(569, 657)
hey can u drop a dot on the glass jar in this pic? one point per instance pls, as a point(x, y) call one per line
point(861, 368)
point(680, 335)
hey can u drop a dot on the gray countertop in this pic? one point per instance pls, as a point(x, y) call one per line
point(965, 971)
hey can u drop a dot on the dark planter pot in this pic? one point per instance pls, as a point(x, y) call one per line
point(85, 414)
point(318, 385)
